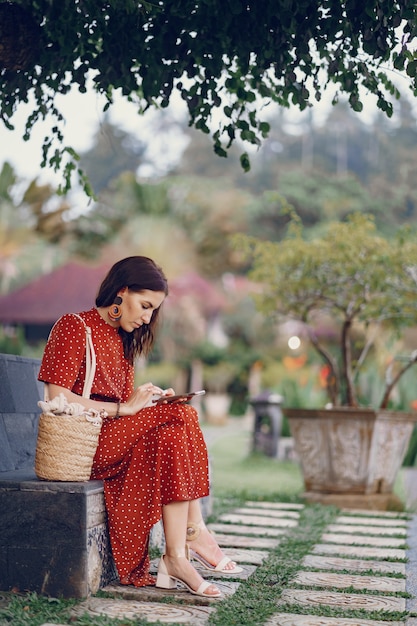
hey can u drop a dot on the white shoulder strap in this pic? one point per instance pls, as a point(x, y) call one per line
point(90, 362)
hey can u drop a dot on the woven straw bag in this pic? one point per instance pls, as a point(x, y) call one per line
point(66, 444)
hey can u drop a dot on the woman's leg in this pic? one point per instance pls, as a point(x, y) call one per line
point(203, 543)
point(174, 516)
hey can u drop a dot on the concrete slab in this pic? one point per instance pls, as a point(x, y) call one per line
point(289, 619)
point(359, 551)
point(252, 557)
point(372, 521)
point(131, 609)
point(238, 529)
point(267, 512)
point(258, 520)
point(352, 601)
point(242, 541)
point(181, 594)
point(367, 530)
point(337, 563)
point(381, 514)
point(276, 505)
point(384, 584)
point(363, 540)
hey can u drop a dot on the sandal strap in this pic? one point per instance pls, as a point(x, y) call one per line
point(222, 564)
point(201, 591)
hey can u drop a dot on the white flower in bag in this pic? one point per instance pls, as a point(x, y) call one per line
point(60, 406)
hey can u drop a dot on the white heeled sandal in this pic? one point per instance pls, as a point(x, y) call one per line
point(166, 581)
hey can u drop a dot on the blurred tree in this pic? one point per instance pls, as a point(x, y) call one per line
point(23, 254)
point(113, 152)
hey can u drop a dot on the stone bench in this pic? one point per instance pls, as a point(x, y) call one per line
point(53, 535)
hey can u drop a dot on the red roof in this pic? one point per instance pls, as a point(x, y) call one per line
point(70, 288)
point(73, 287)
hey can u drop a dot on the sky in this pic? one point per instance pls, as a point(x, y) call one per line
point(83, 114)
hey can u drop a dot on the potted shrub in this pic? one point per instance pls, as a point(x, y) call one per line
point(363, 285)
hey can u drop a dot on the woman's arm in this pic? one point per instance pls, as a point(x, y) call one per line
point(137, 401)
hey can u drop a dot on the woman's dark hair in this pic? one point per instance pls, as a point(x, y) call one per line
point(136, 273)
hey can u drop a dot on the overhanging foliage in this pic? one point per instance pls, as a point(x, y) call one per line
point(219, 54)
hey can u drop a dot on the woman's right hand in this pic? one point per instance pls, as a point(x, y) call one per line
point(140, 398)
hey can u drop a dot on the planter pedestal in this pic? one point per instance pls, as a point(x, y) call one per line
point(351, 457)
point(217, 407)
point(370, 502)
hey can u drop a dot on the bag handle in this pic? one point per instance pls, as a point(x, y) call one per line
point(90, 362)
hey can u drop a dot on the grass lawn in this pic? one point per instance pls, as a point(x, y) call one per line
point(236, 471)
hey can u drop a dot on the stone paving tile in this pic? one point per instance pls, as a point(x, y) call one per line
point(289, 619)
point(382, 514)
point(276, 505)
point(373, 521)
point(384, 584)
point(151, 611)
point(238, 529)
point(363, 540)
point(153, 594)
point(337, 563)
point(252, 557)
point(242, 541)
point(359, 551)
point(367, 530)
point(258, 520)
point(267, 513)
point(304, 597)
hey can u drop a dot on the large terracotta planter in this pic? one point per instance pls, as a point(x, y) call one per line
point(350, 451)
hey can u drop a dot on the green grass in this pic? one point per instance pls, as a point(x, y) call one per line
point(238, 472)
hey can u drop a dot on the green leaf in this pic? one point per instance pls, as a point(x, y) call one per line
point(245, 162)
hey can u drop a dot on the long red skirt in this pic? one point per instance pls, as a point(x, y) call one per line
point(147, 460)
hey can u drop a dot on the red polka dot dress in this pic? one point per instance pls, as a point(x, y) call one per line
point(146, 460)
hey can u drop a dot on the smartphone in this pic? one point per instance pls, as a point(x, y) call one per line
point(183, 397)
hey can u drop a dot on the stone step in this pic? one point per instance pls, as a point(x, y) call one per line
point(382, 514)
point(181, 594)
point(383, 584)
point(258, 520)
point(351, 601)
point(371, 521)
point(239, 529)
point(276, 505)
point(291, 619)
point(152, 611)
point(268, 513)
point(367, 530)
point(338, 563)
point(242, 541)
point(363, 540)
point(359, 551)
point(252, 557)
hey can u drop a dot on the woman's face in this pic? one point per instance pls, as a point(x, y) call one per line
point(137, 307)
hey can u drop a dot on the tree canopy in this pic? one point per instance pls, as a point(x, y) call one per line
point(225, 55)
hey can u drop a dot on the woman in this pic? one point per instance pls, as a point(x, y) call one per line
point(152, 458)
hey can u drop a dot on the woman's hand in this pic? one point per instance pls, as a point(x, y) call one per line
point(140, 398)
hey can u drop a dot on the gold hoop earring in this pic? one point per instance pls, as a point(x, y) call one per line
point(115, 311)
